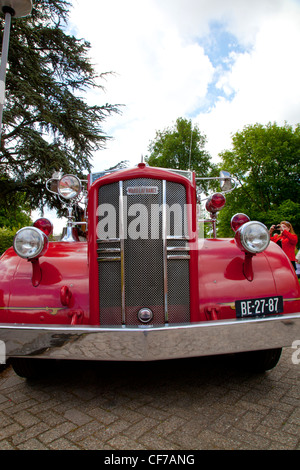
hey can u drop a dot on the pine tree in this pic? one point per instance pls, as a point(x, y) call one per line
point(47, 123)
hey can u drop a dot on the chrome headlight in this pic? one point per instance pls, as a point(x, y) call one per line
point(252, 237)
point(69, 186)
point(30, 243)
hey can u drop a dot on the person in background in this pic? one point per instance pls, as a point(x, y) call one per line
point(287, 239)
point(298, 264)
point(298, 270)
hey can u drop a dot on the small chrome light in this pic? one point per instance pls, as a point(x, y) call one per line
point(252, 237)
point(30, 243)
point(69, 186)
point(145, 315)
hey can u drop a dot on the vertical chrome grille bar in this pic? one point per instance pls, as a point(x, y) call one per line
point(122, 238)
point(165, 252)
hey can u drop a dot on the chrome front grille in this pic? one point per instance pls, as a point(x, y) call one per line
point(143, 255)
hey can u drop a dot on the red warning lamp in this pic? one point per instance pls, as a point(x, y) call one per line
point(215, 203)
point(238, 220)
point(44, 225)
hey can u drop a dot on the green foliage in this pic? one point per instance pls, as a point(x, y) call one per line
point(47, 124)
point(14, 212)
point(180, 147)
point(6, 238)
point(266, 162)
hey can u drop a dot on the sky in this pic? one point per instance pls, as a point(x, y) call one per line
point(224, 64)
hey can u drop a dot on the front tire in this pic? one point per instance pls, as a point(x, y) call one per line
point(261, 361)
point(28, 368)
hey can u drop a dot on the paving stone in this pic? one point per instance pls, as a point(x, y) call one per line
point(25, 418)
point(77, 417)
point(5, 445)
point(156, 406)
point(82, 432)
point(24, 435)
point(125, 443)
point(32, 444)
point(56, 432)
point(63, 444)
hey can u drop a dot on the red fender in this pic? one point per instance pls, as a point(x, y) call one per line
point(222, 279)
point(61, 294)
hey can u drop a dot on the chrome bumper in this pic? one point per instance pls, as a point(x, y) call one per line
point(149, 344)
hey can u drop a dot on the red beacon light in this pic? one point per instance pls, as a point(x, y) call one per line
point(215, 203)
point(44, 225)
point(238, 220)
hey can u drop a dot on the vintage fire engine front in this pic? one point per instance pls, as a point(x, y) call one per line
point(132, 280)
point(142, 250)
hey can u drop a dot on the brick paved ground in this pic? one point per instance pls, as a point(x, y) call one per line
point(208, 403)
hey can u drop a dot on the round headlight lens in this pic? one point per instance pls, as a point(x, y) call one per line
point(30, 242)
point(253, 237)
point(69, 186)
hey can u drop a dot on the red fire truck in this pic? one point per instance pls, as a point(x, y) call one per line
point(132, 280)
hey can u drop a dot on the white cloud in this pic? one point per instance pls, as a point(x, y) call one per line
point(241, 17)
point(163, 70)
point(265, 80)
point(158, 75)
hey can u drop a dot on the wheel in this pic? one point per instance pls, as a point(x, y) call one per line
point(28, 368)
point(260, 361)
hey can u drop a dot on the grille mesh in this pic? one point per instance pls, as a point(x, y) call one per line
point(143, 255)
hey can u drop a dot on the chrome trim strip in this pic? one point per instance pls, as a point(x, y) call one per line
point(149, 344)
point(178, 257)
point(109, 240)
point(165, 253)
point(178, 248)
point(178, 237)
point(122, 237)
point(108, 250)
point(108, 258)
